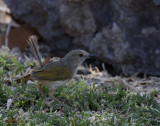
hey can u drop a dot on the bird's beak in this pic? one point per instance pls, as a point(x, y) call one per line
point(90, 55)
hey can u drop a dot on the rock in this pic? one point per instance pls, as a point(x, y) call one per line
point(3, 7)
point(5, 18)
point(76, 18)
point(42, 15)
point(148, 31)
point(156, 2)
point(124, 33)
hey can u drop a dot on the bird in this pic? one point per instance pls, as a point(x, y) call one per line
point(56, 73)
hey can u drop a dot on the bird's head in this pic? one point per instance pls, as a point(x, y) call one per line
point(77, 56)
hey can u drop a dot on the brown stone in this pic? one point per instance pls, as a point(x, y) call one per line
point(17, 37)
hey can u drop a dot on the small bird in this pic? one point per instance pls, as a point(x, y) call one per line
point(58, 73)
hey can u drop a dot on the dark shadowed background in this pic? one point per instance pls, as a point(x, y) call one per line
point(125, 34)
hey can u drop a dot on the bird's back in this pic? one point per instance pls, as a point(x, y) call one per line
point(53, 71)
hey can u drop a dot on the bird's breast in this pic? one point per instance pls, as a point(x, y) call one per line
point(54, 84)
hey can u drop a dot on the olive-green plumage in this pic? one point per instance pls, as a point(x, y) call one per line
point(55, 74)
point(52, 74)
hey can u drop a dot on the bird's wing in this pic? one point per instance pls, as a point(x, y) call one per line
point(53, 74)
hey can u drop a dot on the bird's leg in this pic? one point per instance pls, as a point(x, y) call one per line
point(40, 89)
point(58, 101)
point(54, 98)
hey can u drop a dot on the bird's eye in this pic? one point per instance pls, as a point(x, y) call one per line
point(80, 55)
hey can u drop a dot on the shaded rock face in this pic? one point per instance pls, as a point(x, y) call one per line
point(124, 33)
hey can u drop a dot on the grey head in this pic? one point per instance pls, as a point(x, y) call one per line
point(76, 57)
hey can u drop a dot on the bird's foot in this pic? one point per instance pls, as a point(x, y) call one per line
point(54, 98)
point(65, 107)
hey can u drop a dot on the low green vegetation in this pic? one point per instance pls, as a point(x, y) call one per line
point(84, 104)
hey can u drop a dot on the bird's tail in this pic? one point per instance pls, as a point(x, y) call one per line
point(33, 43)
